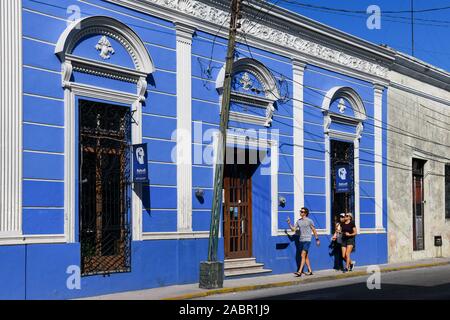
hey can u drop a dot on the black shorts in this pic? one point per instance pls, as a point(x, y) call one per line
point(348, 241)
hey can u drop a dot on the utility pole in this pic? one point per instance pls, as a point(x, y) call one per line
point(412, 28)
point(211, 271)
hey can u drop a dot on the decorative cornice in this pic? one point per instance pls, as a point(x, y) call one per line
point(112, 28)
point(216, 16)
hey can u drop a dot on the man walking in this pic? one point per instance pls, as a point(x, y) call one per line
point(304, 225)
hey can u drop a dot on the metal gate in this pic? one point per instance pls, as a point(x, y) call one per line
point(104, 200)
point(341, 153)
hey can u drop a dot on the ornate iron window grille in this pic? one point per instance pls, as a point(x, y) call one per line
point(104, 188)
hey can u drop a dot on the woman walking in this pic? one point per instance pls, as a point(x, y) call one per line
point(304, 225)
point(339, 250)
point(348, 240)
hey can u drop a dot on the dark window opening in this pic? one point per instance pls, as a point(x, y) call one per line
point(447, 191)
point(418, 203)
point(341, 153)
point(104, 135)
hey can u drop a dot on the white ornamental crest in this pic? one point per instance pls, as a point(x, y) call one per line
point(246, 82)
point(105, 48)
point(341, 106)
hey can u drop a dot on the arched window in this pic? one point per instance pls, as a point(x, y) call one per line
point(253, 92)
point(102, 59)
point(344, 115)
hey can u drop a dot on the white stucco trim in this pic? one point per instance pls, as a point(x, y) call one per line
point(299, 168)
point(240, 140)
point(268, 83)
point(371, 231)
point(378, 123)
point(208, 17)
point(175, 235)
point(10, 119)
point(360, 116)
point(69, 63)
point(33, 239)
point(73, 91)
point(184, 126)
point(110, 27)
point(352, 139)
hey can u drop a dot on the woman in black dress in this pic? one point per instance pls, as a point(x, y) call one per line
point(348, 240)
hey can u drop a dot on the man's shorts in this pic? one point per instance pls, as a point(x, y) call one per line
point(304, 245)
point(348, 241)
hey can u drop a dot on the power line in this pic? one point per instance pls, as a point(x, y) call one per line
point(390, 18)
point(401, 131)
point(363, 11)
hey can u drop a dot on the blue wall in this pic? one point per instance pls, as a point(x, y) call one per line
point(26, 271)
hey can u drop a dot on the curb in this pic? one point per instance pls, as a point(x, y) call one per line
point(296, 282)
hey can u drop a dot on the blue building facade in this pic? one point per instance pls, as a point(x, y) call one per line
point(99, 76)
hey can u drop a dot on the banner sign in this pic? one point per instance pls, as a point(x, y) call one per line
point(343, 179)
point(140, 168)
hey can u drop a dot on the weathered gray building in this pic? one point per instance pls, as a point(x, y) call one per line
point(418, 164)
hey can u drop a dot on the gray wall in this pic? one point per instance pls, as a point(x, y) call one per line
point(409, 117)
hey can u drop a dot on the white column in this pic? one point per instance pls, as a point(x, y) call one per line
point(357, 186)
point(378, 117)
point(274, 162)
point(298, 68)
point(184, 127)
point(10, 118)
point(136, 204)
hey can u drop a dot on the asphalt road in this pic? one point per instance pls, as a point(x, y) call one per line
point(423, 284)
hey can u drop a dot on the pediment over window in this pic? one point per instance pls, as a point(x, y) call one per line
point(344, 112)
point(104, 47)
point(253, 92)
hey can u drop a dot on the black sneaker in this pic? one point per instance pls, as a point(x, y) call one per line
point(345, 270)
point(352, 265)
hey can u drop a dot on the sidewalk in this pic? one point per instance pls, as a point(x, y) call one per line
point(190, 291)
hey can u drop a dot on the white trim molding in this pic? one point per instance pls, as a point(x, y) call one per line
point(184, 35)
point(10, 118)
point(271, 92)
point(278, 33)
point(360, 115)
point(299, 168)
point(32, 239)
point(110, 27)
point(175, 235)
point(71, 93)
point(378, 124)
point(143, 67)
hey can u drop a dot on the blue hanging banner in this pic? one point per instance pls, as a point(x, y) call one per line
point(343, 179)
point(140, 168)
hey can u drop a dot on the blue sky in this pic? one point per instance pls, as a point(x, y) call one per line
point(432, 39)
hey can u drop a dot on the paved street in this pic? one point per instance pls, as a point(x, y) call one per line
point(425, 283)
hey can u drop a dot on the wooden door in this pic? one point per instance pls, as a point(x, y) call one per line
point(237, 211)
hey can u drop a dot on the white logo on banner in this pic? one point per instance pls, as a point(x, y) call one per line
point(342, 172)
point(140, 155)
